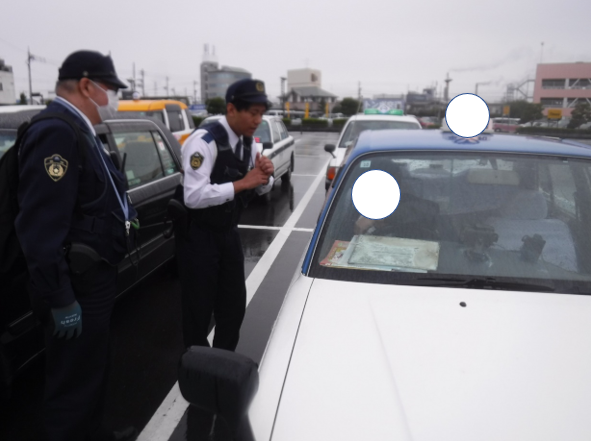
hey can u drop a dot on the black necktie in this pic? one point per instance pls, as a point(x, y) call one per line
point(238, 151)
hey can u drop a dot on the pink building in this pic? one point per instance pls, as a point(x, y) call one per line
point(562, 85)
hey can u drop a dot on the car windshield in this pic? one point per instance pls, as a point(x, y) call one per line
point(157, 114)
point(208, 121)
point(262, 132)
point(7, 138)
point(354, 128)
point(464, 216)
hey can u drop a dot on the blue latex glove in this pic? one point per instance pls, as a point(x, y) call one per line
point(67, 321)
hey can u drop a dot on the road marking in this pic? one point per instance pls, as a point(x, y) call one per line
point(265, 227)
point(171, 411)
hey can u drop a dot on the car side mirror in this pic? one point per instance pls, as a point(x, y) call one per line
point(330, 148)
point(115, 159)
point(222, 383)
point(267, 145)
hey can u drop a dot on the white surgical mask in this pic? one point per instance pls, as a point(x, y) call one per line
point(109, 110)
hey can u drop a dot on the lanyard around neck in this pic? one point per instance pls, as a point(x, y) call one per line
point(122, 201)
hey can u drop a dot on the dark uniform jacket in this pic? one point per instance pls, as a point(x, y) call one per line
point(61, 203)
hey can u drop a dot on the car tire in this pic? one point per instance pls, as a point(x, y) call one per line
point(286, 178)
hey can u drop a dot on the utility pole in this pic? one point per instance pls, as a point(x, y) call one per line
point(29, 58)
point(283, 97)
point(194, 92)
point(133, 85)
point(173, 92)
point(143, 82)
point(166, 88)
point(446, 90)
point(542, 54)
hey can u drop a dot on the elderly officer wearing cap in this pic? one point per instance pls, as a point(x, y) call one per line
point(73, 208)
point(222, 169)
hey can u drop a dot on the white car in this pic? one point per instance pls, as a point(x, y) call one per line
point(353, 128)
point(461, 316)
point(274, 141)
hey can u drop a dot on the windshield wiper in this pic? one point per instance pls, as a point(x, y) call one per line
point(481, 283)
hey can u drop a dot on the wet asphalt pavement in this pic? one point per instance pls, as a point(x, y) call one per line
point(146, 327)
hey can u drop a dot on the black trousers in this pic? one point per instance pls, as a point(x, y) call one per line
point(211, 269)
point(77, 369)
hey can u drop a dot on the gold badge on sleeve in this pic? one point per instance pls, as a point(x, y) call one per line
point(196, 161)
point(56, 167)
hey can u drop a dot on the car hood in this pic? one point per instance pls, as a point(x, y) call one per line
point(410, 363)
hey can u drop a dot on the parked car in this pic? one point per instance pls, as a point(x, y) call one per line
point(470, 301)
point(508, 125)
point(152, 166)
point(11, 117)
point(353, 128)
point(428, 121)
point(175, 115)
point(274, 141)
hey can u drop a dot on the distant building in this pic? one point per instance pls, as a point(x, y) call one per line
point(562, 85)
point(7, 92)
point(315, 96)
point(215, 80)
point(304, 78)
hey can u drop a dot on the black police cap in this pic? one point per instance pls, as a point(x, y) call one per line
point(92, 65)
point(251, 91)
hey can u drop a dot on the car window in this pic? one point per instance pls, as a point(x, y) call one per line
point(284, 132)
point(354, 128)
point(142, 161)
point(157, 114)
point(262, 132)
point(514, 217)
point(276, 131)
point(7, 139)
point(166, 157)
point(190, 119)
point(175, 119)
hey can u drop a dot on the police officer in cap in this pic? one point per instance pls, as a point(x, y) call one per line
point(73, 208)
point(222, 172)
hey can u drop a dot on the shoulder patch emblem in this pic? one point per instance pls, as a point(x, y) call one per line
point(196, 161)
point(56, 167)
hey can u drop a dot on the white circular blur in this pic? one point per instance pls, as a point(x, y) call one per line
point(467, 115)
point(376, 194)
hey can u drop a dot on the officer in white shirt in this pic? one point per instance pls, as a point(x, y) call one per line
point(222, 171)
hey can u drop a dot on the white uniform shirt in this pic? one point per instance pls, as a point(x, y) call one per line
point(199, 192)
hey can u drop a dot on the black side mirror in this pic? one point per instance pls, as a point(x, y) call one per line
point(115, 159)
point(330, 148)
point(220, 382)
point(267, 145)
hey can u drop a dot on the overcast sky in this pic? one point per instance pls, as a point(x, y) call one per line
point(389, 46)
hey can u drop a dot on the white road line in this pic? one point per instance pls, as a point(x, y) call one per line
point(265, 227)
point(172, 409)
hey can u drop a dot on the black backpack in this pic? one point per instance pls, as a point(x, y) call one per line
point(13, 267)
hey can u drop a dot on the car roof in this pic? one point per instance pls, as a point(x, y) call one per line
point(417, 140)
point(13, 119)
point(146, 105)
point(21, 108)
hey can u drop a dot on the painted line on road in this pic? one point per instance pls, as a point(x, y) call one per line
point(171, 411)
point(265, 227)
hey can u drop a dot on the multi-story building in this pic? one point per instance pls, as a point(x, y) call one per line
point(305, 86)
point(7, 92)
point(215, 80)
point(562, 86)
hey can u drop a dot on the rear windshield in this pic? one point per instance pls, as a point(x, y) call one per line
point(520, 218)
point(262, 132)
point(157, 114)
point(7, 138)
point(356, 127)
